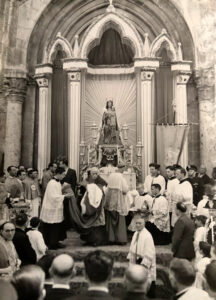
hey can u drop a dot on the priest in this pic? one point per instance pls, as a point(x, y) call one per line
point(183, 193)
point(52, 215)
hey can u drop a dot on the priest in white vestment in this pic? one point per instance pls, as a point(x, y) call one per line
point(159, 224)
point(183, 193)
point(172, 183)
point(153, 178)
point(52, 216)
point(142, 248)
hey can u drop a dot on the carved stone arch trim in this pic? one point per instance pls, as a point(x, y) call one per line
point(157, 43)
point(127, 31)
point(63, 42)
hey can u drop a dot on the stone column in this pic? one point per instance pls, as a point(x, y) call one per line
point(28, 124)
point(44, 123)
point(207, 114)
point(147, 128)
point(15, 97)
point(74, 118)
point(181, 110)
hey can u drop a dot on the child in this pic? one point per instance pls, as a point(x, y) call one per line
point(36, 238)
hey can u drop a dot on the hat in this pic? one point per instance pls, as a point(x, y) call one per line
point(191, 167)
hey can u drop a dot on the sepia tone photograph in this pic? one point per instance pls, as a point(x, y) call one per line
point(107, 149)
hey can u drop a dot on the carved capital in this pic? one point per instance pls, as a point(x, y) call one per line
point(15, 88)
point(182, 78)
point(74, 76)
point(147, 75)
point(42, 82)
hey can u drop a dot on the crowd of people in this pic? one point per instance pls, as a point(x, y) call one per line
point(176, 209)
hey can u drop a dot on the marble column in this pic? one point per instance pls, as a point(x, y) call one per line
point(44, 123)
point(181, 110)
point(74, 98)
point(15, 97)
point(147, 128)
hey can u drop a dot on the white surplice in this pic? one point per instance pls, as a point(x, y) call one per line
point(183, 193)
point(143, 247)
point(52, 208)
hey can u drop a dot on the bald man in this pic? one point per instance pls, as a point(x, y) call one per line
point(136, 282)
point(61, 271)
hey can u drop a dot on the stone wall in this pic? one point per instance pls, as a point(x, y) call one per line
point(27, 25)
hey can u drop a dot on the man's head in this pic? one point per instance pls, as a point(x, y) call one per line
point(213, 251)
point(204, 249)
point(62, 268)
point(200, 221)
point(60, 173)
point(21, 174)
point(136, 279)
point(2, 177)
point(7, 231)
point(21, 220)
point(210, 275)
point(94, 173)
point(214, 173)
point(191, 169)
point(180, 208)
point(180, 173)
point(139, 222)
point(52, 167)
point(170, 171)
point(12, 171)
point(29, 282)
point(34, 222)
point(140, 188)
point(155, 189)
point(202, 170)
point(154, 169)
point(98, 267)
point(182, 273)
point(63, 163)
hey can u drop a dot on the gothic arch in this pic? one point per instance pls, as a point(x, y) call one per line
point(59, 41)
point(94, 33)
point(161, 39)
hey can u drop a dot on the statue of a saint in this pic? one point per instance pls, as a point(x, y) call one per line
point(109, 131)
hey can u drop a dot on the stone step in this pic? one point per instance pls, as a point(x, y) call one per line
point(119, 253)
point(118, 269)
point(79, 283)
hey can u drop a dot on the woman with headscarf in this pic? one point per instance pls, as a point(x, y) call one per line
point(117, 206)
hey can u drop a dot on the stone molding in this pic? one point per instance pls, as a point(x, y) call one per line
point(159, 40)
point(15, 89)
point(182, 78)
point(147, 75)
point(74, 76)
point(42, 82)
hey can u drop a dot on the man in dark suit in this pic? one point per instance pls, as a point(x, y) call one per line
point(183, 234)
point(21, 241)
point(70, 174)
point(61, 271)
point(98, 269)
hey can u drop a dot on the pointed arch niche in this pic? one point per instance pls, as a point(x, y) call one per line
point(110, 59)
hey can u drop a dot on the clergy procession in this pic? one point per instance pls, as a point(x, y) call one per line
point(176, 210)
